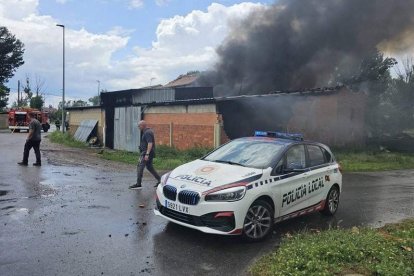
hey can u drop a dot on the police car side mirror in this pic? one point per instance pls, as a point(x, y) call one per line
point(277, 170)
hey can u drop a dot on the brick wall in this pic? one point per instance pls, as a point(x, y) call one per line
point(184, 130)
point(162, 133)
point(203, 119)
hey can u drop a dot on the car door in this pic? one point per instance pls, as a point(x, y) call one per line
point(292, 183)
point(317, 174)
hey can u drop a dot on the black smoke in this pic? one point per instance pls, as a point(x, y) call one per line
point(298, 44)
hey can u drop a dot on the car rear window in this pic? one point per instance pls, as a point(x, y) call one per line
point(328, 155)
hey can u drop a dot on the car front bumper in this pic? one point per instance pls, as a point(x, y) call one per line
point(224, 218)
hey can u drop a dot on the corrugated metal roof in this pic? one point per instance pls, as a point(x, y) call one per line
point(182, 81)
point(84, 130)
point(153, 95)
point(313, 91)
point(83, 107)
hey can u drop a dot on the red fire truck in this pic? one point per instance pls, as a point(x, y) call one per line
point(19, 120)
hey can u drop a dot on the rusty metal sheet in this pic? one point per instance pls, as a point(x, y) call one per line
point(85, 130)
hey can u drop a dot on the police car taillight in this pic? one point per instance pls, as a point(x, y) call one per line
point(340, 168)
point(282, 135)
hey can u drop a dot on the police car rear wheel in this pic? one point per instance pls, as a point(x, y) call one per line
point(258, 222)
point(332, 202)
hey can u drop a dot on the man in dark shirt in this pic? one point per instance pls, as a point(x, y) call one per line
point(147, 154)
point(32, 141)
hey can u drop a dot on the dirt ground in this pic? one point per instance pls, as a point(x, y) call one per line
point(61, 155)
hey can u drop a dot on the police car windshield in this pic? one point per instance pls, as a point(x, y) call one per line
point(248, 153)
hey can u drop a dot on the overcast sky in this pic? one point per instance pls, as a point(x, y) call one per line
point(122, 43)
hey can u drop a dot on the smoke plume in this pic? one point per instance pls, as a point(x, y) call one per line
point(297, 44)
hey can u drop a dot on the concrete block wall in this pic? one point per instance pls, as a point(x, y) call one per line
point(336, 119)
point(76, 116)
point(4, 123)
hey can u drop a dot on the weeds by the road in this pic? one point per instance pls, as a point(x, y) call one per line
point(65, 139)
point(385, 251)
point(353, 161)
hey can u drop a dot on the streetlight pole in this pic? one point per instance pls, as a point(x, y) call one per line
point(99, 87)
point(63, 84)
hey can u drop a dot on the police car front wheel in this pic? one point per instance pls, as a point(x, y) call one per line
point(258, 222)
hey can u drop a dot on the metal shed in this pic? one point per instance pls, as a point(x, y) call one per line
point(123, 109)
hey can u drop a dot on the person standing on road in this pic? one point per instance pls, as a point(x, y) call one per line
point(147, 154)
point(33, 141)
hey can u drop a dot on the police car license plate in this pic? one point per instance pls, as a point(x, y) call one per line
point(176, 207)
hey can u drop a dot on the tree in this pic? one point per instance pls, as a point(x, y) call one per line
point(37, 102)
point(11, 54)
point(95, 100)
point(373, 77)
point(74, 103)
point(34, 101)
point(4, 96)
point(11, 57)
point(78, 103)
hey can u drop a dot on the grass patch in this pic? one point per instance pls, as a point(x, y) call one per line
point(167, 158)
point(385, 251)
point(65, 139)
point(354, 161)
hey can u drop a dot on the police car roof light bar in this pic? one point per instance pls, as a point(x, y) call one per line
point(282, 135)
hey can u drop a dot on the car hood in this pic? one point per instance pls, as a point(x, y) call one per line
point(201, 175)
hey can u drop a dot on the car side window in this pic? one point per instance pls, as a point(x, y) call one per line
point(316, 156)
point(279, 167)
point(295, 157)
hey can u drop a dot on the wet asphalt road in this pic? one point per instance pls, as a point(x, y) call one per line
point(83, 220)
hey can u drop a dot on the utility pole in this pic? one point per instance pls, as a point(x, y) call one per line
point(63, 82)
point(18, 93)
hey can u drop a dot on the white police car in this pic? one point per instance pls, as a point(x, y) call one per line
point(248, 184)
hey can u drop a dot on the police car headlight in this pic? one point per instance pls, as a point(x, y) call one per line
point(164, 178)
point(231, 194)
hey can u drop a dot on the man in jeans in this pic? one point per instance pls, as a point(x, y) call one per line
point(32, 141)
point(147, 154)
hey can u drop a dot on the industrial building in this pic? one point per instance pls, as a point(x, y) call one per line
point(186, 117)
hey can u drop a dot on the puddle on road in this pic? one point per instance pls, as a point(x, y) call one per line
point(3, 192)
point(15, 213)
